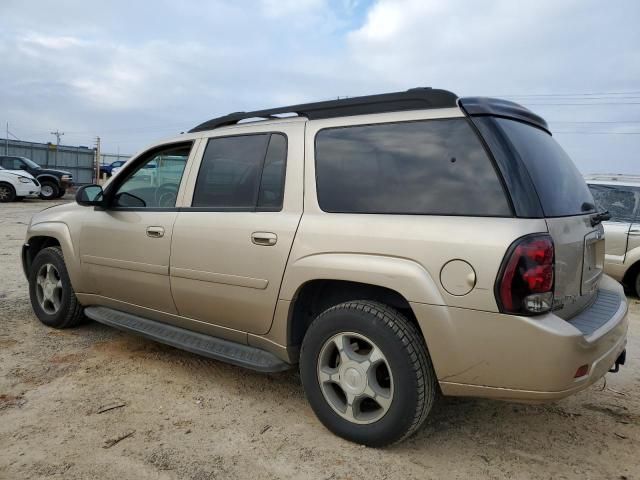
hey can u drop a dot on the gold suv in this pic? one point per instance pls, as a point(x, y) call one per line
point(393, 246)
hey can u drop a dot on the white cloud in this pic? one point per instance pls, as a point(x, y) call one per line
point(53, 42)
point(284, 8)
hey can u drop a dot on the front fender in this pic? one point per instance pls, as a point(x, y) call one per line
point(60, 232)
point(46, 176)
point(406, 277)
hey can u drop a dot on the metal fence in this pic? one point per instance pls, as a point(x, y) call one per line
point(80, 161)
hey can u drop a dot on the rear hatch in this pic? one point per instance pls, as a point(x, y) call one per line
point(569, 211)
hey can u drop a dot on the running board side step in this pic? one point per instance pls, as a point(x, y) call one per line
point(194, 342)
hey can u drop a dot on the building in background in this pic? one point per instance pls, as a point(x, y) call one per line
point(79, 160)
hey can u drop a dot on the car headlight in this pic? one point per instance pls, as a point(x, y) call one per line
point(66, 177)
point(24, 180)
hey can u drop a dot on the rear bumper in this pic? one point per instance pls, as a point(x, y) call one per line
point(527, 359)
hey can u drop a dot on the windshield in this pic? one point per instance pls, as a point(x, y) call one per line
point(30, 163)
point(560, 186)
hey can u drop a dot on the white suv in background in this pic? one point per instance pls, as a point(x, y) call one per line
point(17, 184)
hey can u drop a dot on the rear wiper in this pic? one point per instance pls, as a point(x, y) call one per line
point(600, 217)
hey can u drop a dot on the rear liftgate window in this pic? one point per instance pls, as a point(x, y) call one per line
point(426, 167)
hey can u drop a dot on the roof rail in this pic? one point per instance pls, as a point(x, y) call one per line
point(412, 99)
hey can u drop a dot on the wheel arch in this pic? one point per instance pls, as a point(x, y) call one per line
point(628, 279)
point(48, 234)
point(316, 282)
point(315, 296)
point(47, 176)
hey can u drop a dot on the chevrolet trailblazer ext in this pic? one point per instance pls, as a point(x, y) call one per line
point(394, 246)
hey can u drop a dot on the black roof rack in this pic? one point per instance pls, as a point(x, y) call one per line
point(412, 99)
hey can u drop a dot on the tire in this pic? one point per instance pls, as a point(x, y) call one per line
point(408, 388)
point(48, 190)
point(636, 284)
point(61, 193)
point(19, 199)
point(62, 309)
point(7, 193)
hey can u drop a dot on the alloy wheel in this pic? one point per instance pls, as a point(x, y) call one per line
point(49, 289)
point(355, 378)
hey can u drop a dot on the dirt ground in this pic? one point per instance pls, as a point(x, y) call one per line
point(185, 417)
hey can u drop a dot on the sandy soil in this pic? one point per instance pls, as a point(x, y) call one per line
point(185, 417)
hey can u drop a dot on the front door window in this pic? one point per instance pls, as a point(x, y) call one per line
point(155, 182)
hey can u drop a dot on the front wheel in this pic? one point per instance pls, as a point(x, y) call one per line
point(7, 193)
point(52, 297)
point(367, 373)
point(61, 193)
point(48, 190)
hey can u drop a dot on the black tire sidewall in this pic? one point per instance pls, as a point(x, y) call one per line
point(59, 319)
point(54, 195)
point(400, 415)
point(12, 192)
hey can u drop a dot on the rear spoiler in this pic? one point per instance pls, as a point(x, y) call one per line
point(481, 106)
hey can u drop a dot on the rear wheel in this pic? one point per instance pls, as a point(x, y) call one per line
point(52, 297)
point(48, 190)
point(366, 373)
point(7, 192)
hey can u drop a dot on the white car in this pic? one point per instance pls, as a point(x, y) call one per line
point(17, 184)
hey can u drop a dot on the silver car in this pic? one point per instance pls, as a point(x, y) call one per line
point(620, 195)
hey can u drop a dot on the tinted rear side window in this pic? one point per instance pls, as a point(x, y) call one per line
point(427, 167)
point(560, 186)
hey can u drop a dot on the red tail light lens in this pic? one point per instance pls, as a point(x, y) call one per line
point(525, 283)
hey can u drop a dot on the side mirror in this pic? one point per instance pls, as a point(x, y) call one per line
point(90, 195)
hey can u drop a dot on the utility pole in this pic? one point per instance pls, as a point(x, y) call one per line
point(6, 141)
point(58, 134)
point(97, 163)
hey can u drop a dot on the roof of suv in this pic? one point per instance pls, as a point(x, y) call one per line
point(412, 99)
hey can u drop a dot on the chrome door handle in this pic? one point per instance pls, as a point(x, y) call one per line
point(155, 232)
point(266, 239)
point(634, 231)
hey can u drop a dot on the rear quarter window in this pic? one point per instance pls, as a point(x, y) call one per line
point(434, 167)
point(560, 186)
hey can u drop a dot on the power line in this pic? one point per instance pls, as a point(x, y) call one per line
point(584, 104)
point(594, 122)
point(630, 92)
point(596, 133)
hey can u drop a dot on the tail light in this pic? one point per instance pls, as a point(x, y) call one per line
point(525, 282)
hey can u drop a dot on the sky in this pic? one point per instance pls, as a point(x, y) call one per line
point(135, 72)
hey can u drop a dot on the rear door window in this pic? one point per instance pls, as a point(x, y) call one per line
point(560, 186)
point(434, 167)
point(243, 172)
point(620, 201)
